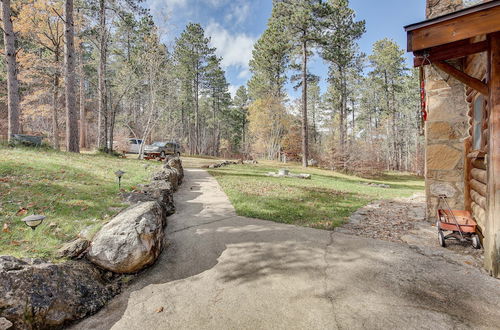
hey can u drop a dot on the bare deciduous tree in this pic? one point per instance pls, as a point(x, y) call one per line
point(10, 57)
point(72, 135)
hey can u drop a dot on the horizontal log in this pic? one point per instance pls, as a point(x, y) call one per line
point(479, 163)
point(478, 199)
point(479, 214)
point(479, 187)
point(480, 175)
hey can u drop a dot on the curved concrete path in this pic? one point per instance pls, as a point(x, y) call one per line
point(222, 271)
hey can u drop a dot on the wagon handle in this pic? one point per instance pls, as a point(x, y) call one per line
point(443, 198)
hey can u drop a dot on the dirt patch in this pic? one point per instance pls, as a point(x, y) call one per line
point(402, 220)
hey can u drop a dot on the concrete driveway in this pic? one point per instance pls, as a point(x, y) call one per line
point(222, 271)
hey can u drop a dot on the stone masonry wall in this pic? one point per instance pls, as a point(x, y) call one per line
point(445, 128)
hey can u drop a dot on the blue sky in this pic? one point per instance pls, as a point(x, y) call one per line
point(234, 26)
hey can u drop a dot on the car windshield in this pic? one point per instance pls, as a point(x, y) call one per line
point(159, 144)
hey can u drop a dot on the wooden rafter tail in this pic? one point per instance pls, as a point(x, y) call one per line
point(449, 51)
point(463, 77)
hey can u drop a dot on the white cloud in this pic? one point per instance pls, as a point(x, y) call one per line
point(156, 4)
point(238, 13)
point(233, 89)
point(244, 74)
point(215, 3)
point(235, 49)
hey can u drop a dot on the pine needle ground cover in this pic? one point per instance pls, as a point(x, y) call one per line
point(76, 192)
point(326, 201)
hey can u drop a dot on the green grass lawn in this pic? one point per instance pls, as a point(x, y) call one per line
point(326, 201)
point(74, 191)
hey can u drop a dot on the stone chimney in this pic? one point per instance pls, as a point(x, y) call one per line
point(442, 7)
point(445, 128)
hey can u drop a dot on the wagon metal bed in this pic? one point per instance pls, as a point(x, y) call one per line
point(460, 223)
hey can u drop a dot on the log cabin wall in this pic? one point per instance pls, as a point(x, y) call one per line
point(476, 189)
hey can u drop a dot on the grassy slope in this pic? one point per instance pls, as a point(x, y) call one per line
point(75, 192)
point(325, 201)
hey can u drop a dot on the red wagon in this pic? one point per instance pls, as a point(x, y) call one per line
point(460, 223)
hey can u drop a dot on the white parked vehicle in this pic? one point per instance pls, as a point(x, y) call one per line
point(133, 146)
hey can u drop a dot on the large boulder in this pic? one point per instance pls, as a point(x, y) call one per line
point(131, 241)
point(163, 193)
point(39, 295)
point(177, 164)
point(168, 174)
point(159, 191)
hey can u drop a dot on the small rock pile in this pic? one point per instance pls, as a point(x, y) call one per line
point(232, 162)
point(35, 294)
point(289, 175)
point(224, 163)
point(378, 185)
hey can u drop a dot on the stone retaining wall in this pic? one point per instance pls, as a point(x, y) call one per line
point(35, 294)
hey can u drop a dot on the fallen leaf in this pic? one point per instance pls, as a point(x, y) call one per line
point(30, 205)
point(15, 243)
point(5, 228)
point(22, 211)
point(159, 310)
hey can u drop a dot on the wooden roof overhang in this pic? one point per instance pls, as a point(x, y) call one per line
point(449, 37)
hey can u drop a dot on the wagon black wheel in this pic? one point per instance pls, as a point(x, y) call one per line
point(476, 243)
point(442, 241)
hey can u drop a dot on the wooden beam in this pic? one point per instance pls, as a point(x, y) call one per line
point(454, 29)
point(492, 237)
point(449, 51)
point(463, 77)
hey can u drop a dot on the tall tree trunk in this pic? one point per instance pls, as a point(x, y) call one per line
point(101, 93)
point(112, 125)
point(83, 116)
point(353, 120)
point(197, 114)
point(72, 135)
point(12, 82)
point(305, 137)
point(55, 108)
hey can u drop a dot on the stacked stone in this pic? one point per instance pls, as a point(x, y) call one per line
point(446, 127)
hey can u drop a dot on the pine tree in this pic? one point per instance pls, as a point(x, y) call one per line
point(269, 63)
point(192, 52)
point(217, 89)
point(241, 103)
point(302, 21)
point(387, 61)
point(341, 51)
